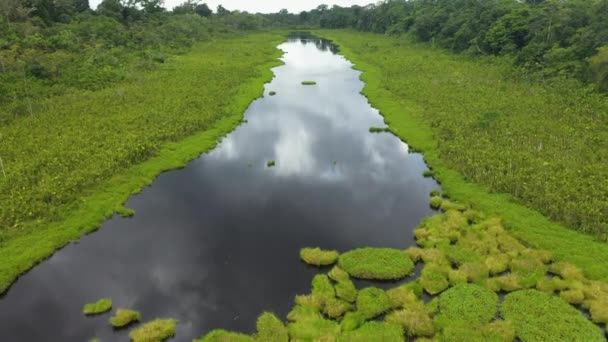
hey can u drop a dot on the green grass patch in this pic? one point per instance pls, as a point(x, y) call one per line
point(309, 83)
point(538, 316)
point(221, 335)
point(468, 302)
point(318, 257)
point(372, 301)
point(376, 263)
point(99, 307)
point(154, 331)
point(271, 329)
point(124, 317)
point(374, 331)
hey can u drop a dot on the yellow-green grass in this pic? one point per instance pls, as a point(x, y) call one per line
point(376, 263)
point(271, 329)
point(154, 331)
point(372, 301)
point(318, 257)
point(124, 317)
point(409, 83)
point(221, 335)
point(187, 105)
point(101, 306)
point(374, 331)
point(538, 316)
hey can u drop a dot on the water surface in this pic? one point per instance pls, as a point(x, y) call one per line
point(216, 243)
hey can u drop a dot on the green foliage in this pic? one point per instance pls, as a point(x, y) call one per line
point(372, 301)
point(599, 67)
point(157, 330)
point(271, 329)
point(318, 257)
point(374, 331)
point(468, 302)
point(221, 335)
point(99, 307)
point(376, 263)
point(124, 317)
point(538, 316)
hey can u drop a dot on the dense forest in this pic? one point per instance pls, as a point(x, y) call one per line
point(553, 37)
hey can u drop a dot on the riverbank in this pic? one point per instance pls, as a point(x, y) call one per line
point(73, 165)
point(417, 87)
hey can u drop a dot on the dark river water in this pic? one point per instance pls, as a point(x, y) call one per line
point(216, 243)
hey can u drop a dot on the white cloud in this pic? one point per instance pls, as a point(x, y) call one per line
point(265, 6)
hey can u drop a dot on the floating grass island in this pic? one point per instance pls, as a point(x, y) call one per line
point(124, 317)
point(467, 258)
point(270, 163)
point(318, 257)
point(154, 331)
point(309, 83)
point(99, 307)
point(376, 263)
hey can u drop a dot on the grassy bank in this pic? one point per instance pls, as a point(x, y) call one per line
point(496, 141)
point(72, 165)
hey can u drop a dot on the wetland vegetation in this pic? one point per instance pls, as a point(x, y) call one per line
point(505, 99)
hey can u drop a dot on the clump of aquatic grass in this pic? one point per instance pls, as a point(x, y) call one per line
point(270, 163)
point(99, 307)
point(567, 270)
point(476, 272)
point(322, 289)
point(428, 173)
point(372, 301)
point(337, 274)
point(335, 307)
point(272, 93)
point(376, 263)
point(346, 290)
point(379, 129)
point(309, 83)
point(157, 330)
point(528, 269)
point(302, 312)
point(456, 277)
point(221, 335)
point(318, 257)
point(125, 212)
point(415, 320)
point(473, 216)
point(434, 278)
point(271, 329)
point(497, 263)
point(500, 331)
point(510, 282)
point(538, 316)
point(447, 205)
point(435, 193)
point(374, 331)
point(313, 329)
point(352, 320)
point(124, 317)
point(436, 202)
point(598, 310)
point(467, 302)
point(404, 295)
point(575, 296)
point(459, 255)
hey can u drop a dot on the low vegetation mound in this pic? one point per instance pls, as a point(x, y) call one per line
point(318, 257)
point(538, 316)
point(99, 307)
point(376, 263)
point(154, 331)
point(124, 317)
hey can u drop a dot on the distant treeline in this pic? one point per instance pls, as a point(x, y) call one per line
point(48, 47)
point(554, 37)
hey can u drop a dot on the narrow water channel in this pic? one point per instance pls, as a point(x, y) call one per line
point(216, 243)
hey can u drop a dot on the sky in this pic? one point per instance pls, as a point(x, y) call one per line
point(265, 6)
